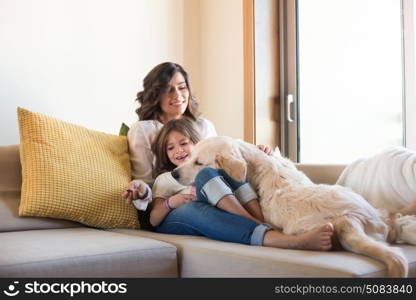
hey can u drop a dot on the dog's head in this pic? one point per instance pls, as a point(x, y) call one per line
point(215, 152)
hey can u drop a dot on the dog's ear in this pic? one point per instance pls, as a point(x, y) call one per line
point(236, 168)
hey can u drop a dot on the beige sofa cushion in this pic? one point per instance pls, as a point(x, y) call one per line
point(202, 257)
point(83, 252)
point(10, 220)
point(327, 174)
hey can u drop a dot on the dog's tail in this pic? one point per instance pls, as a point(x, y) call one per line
point(353, 238)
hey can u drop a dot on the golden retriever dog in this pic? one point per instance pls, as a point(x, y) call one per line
point(291, 202)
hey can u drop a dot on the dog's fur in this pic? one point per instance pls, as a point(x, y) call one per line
point(292, 203)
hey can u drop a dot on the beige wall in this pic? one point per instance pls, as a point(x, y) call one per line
point(83, 61)
point(215, 39)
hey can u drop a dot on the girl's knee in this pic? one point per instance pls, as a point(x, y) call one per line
point(208, 173)
point(234, 184)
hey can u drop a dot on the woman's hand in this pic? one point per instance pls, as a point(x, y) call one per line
point(180, 199)
point(136, 189)
point(265, 149)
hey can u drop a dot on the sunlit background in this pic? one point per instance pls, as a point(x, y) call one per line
point(350, 78)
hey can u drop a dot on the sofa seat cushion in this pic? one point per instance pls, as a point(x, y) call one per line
point(84, 252)
point(202, 257)
point(10, 220)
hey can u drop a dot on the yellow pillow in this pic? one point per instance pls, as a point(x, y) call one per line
point(71, 172)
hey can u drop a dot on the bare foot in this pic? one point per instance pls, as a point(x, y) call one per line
point(316, 239)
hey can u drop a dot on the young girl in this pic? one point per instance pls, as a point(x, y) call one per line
point(218, 206)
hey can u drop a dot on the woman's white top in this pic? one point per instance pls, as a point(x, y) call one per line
point(141, 136)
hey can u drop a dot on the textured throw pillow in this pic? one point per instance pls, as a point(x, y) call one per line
point(71, 172)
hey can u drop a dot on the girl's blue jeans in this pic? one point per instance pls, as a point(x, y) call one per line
point(203, 218)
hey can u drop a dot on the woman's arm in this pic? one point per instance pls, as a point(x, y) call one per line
point(206, 128)
point(139, 138)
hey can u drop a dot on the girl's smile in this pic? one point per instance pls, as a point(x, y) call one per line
point(179, 148)
point(182, 157)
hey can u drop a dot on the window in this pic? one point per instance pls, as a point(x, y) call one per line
point(347, 78)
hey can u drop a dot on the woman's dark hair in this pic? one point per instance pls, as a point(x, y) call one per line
point(155, 83)
point(185, 126)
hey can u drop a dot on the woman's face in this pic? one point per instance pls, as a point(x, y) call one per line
point(178, 148)
point(175, 100)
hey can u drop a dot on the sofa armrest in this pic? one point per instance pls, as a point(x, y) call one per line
point(328, 174)
point(10, 168)
point(10, 185)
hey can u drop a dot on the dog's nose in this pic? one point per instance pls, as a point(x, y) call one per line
point(175, 174)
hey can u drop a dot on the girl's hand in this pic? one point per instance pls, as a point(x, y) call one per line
point(265, 149)
point(180, 199)
point(136, 189)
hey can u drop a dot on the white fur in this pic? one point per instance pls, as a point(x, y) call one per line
point(292, 203)
point(387, 180)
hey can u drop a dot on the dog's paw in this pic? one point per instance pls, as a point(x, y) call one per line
point(406, 230)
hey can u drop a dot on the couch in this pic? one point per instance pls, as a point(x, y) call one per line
point(45, 247)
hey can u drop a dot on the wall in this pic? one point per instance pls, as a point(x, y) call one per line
point(82, 61)
point(214, 58)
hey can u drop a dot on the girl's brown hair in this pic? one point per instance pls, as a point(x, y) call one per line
point(185, 126)
point(155, 84)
